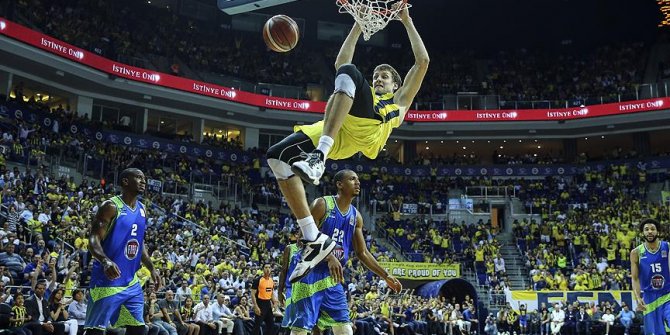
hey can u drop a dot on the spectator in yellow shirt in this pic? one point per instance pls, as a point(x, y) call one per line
point(372, 294)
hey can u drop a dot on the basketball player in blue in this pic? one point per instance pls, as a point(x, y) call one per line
point(117, 244)
point(319, 298)
point(650, 273)
point(359, 117)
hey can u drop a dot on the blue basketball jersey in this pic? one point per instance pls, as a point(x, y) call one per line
point(123, 244)
point(340, 227)
point(654, 269)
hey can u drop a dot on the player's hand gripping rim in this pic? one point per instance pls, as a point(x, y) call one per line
point(403, 13)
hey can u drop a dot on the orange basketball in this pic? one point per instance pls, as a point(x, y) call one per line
point(281, 33)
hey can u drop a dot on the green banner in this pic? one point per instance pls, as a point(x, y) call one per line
point(421, 271)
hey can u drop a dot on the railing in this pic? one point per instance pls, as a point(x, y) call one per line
point(383, 233)
point(494, 102)
point(468, 216)
point(414, 256)
point(498, 300)
point(194, 225)
point(204, 178)
point(51, 156)
point(61, 160)
point(176, 189)
point(370, 224)
point(25, 290)
point(198, 187)
point(4, 210)
point(490, 191)
point(221, 186)
point(58, 159)
point(226, 188)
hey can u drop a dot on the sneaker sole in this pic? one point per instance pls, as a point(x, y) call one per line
point(300, 173)
point(316, 262)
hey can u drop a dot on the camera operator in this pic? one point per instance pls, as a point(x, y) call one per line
point(490, 327)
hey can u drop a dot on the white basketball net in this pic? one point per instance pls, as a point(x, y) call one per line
point(372, 15)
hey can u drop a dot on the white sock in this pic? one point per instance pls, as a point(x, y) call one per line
point(325, 143)
point(308, 228)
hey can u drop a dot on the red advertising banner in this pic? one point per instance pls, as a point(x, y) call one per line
point(65, 50)
point(540, 114)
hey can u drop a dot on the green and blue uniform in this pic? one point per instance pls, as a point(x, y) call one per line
point(119, 302)
point(317, 300)
point(654, 273)
point(293, 251)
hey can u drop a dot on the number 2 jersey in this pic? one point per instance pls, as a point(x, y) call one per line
point(123, 244)
point(654, 271)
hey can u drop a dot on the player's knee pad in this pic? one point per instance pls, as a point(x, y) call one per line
point(281, 170)
point(298, 332)
point(352, 71)
point(345, 84)
point(343, 330)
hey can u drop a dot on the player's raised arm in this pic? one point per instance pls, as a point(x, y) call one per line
point(405, 94)
point(348, 47)
point(99, 229)
point(368, 260)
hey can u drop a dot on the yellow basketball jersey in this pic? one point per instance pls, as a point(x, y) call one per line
point(361, 134)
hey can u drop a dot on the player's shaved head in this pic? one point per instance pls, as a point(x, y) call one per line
point(340, 175)
point(129, 173)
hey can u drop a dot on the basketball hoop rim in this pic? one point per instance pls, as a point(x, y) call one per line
point(346, 3)
point(372, 15)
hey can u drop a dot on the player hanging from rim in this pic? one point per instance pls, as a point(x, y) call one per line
point(359, 118)
point(320, 299)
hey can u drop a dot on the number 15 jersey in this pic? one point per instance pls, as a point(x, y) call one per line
point(654, 269)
